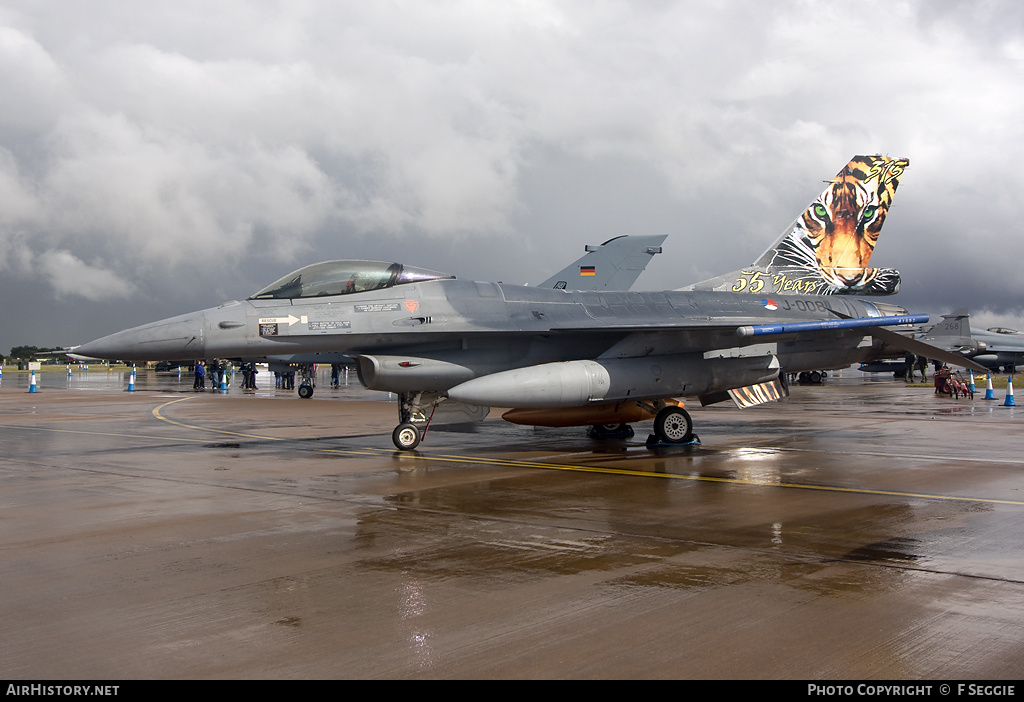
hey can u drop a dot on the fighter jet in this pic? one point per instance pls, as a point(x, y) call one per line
point(998, 347)
point(451, 348)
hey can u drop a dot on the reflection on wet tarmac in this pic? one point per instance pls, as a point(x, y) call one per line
point(203, 535)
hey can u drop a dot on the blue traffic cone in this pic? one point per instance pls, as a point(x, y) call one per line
point(224, 381)
point(1009, 393)
point(972, 383)
point(990, 394)
point(32, 383)
point(131, 381)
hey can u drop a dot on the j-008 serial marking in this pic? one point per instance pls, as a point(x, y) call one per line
point(806, 305)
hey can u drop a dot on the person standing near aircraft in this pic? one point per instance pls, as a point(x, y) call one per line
point(200, 381)
point(909, 361)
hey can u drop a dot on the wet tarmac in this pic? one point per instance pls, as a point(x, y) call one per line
point(859, 530)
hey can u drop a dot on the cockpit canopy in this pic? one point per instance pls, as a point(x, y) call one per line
point(343, 278)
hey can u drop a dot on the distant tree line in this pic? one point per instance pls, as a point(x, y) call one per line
point(25, 353)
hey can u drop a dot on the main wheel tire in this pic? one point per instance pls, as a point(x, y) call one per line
point(305, 391)
point(610, 431)
point(406, 437)
point(673, 425)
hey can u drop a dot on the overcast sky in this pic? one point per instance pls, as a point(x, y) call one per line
point(157, 158)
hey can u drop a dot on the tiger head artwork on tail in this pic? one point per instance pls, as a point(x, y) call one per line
point(828, 249)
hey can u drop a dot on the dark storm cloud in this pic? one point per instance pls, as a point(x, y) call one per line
point(157, 159)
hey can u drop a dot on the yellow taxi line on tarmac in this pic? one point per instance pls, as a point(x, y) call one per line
point(103, 433)
point(447, 458)
point(161, 417)
point(698, 478)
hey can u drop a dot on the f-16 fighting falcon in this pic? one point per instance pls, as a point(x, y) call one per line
point(997, 347)
point(453, 348)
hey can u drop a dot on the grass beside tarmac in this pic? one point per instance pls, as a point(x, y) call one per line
point(980, 382)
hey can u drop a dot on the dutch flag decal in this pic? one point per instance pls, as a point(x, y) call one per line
point(769, 304)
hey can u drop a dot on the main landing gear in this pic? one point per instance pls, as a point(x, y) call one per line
point(672, 425)
point(610, 431)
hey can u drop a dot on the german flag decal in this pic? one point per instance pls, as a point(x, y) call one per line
point(588, 270)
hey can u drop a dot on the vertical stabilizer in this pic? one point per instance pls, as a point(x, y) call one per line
point(953, 333)
point(826, 251)
point(614, 265)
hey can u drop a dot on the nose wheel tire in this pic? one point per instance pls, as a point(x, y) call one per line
point(305, 392)
point(673, 426)
point(406, 437)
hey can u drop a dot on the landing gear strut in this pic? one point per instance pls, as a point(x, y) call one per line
point(413, 418)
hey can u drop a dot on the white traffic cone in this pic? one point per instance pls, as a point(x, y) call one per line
point(1009, 392)
point(990, 394)
point(32, 383)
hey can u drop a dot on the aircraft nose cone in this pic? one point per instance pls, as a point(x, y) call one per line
point(177, 338)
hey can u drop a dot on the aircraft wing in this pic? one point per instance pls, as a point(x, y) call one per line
point(614, 265)
point(713, 335)
point(921, 348)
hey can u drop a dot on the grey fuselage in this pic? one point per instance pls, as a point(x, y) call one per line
point(452, 330)
point(995, 350)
